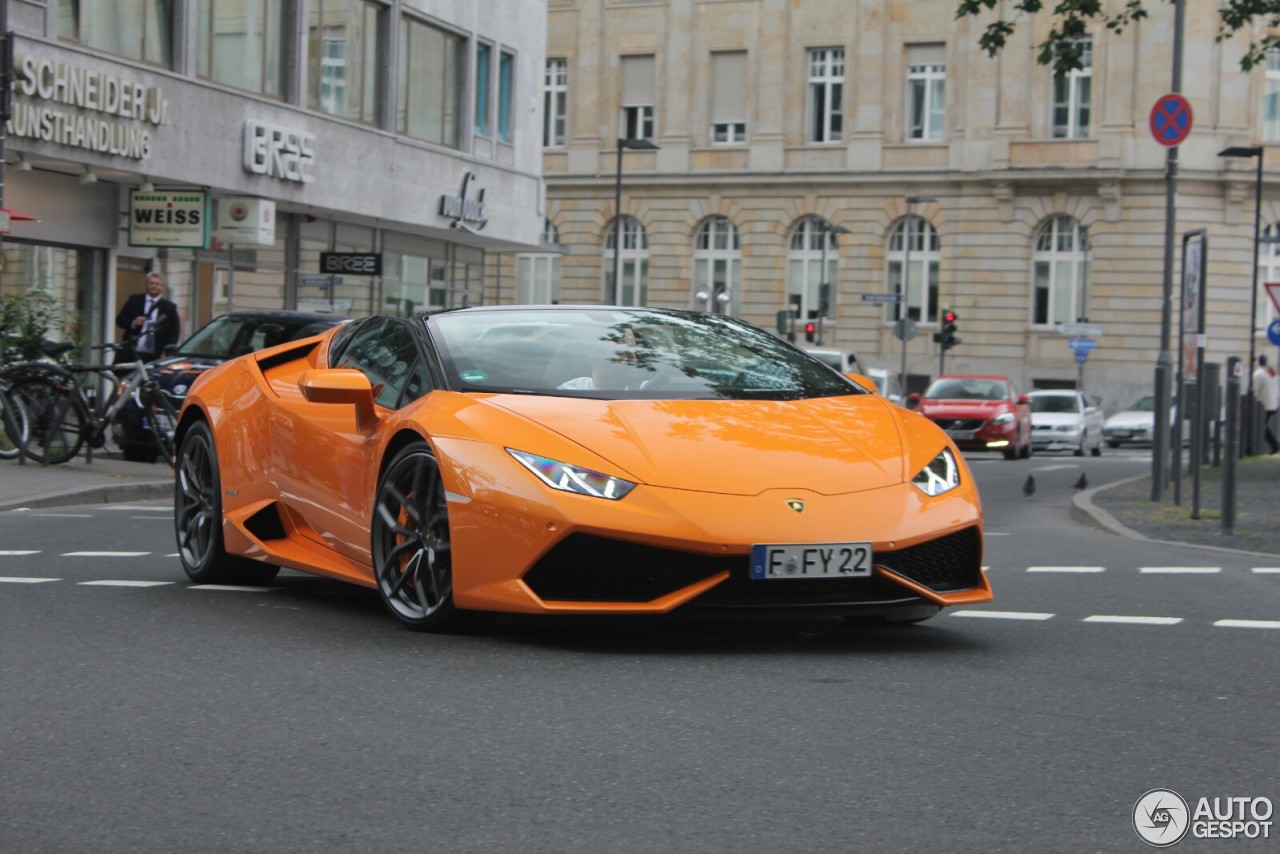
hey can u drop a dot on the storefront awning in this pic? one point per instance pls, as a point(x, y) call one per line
point(9, 215)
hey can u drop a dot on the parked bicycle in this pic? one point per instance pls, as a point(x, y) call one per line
point(72, 406)
point(14, 423)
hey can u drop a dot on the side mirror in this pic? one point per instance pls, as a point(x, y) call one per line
point(863, 381)
point(341, 385)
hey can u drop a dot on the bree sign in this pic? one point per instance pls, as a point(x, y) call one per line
point(352, 263)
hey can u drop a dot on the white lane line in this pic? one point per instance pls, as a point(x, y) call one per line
point(158, 518)
point(1261, 570)
point(123, 583)
point(1066, 569)
point(13, 579)
point(1249, 624)
point(232, 587)
point(104, 554)
point(64, 515)
point(998, 534)
point(1180, 570)
point(16, 553)
point(1004, 615)
point(1136, 621)
point(135, 508)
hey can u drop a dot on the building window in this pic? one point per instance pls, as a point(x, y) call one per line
point(483, 52)
point(343, 55)
point(141, 30)
point(813, 244)
point(926, 91)
point(826, 94)
point(1058, 270)
point(1268, 271)
point(555, 93)
point(506, 74)
point(633, 289)
point(729, 97)
point(242, 43)
point(430, 83)
point(636, 121)
point(717, 267)
point(922, 279)
point(538, 275)
point(1073, 96)
point(1271, 98)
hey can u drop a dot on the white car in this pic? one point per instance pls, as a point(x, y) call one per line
point(842, 360)
point(1135, 425)
point(1065, 420)
point(886, 384)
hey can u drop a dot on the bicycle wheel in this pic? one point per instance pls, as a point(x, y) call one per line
point(161, 420)
point(15, 427)
point(57, 420)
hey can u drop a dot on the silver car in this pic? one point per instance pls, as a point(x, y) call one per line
point(1065, 420)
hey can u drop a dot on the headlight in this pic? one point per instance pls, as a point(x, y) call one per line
point(1002, 418)
point(567, 478)
point(941, 475)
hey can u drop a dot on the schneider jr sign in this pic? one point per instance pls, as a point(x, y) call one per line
point(176, 218)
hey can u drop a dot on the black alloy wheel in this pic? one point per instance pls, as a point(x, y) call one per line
point(412, 557)
point(197, 517)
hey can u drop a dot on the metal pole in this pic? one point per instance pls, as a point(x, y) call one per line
point(617, 230)
point(902, 303)
point(1254, 435)
point(1231, 452)
point(1164, 363)
point(822, 276)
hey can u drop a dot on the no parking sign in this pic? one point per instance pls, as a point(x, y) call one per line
point(1171, 119)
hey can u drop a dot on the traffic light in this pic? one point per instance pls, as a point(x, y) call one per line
point(810, 329)
point(946, 336)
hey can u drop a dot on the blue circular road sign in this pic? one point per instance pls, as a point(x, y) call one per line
point(1171, 119)
point(1273, 332)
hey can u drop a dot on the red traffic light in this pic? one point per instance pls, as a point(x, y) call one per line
point(949, 316)
point(810, 327)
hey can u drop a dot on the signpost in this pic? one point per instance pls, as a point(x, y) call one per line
point(1093, 329)
point(1171, 119)
point(882, 298)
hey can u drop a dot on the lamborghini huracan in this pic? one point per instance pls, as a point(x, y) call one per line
point(573, 460)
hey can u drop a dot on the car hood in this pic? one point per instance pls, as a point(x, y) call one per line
point(962, 408)
point(1131, 419)
point(828, 445)
point(1055, 419)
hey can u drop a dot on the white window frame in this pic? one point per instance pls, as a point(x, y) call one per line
point(635, 264)
point(538, 274)
point(826, 94)
point(636, 118)
point(555, 100)
point(926, 101)
point(1271, 98)
point(1073, 93)
point(926, 259)
point(1060, 249)
point(804, 268)
point(728, 121)
point(717, 267)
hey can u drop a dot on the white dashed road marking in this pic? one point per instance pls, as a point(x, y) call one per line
point(1266, 570)
point(1249, 624)
point(1135, 621)
point(1180, 570)
point(232, 587)
point(1004, 615)
point(123, 583)
point(17, 553)
point(1066, 569)
point(105, 554)
point(12, 579)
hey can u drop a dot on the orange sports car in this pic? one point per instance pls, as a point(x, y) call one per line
point(573, 460)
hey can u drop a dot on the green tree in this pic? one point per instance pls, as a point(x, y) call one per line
point(27, 319)
point(1072, 20)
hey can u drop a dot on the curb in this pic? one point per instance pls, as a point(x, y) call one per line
point(1084, 510)
point(105, 493)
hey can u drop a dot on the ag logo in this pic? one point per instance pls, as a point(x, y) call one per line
point(1161, 817)
point(796, 504)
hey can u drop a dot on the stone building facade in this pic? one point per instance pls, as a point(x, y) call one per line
point(791, 134)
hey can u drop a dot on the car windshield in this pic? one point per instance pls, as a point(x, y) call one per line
point(607, 352)
point(236, 334)
point(1055, 403)
point(1144, 404)
point(955, 388)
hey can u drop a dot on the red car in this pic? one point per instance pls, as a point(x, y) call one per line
point(980, 412)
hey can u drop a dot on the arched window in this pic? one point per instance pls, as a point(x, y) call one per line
point(717, 267)
point(633, 289)
point(1059, 270)
point(538, 275)
point(922, 276)
point(813, 246)
point(1268, 271)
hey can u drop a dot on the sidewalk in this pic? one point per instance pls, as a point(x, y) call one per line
point(107, 479)
point(1126, 508)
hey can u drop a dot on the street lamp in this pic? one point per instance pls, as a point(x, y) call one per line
point(634, 145)
point(906, 282)
point(824, 287)
point(1254, 151)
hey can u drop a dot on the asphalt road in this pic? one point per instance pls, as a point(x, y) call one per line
point(140, 713)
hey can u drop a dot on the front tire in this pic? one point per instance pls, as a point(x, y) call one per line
point(197, 517)
point(412, 556)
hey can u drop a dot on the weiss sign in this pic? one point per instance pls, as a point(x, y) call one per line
point(178, 218)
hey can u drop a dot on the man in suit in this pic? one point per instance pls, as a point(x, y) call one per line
point(150, 319)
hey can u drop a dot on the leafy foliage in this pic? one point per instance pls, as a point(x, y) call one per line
point(1073, 19)
point(27, 319)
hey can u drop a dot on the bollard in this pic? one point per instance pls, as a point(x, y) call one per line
point(1231, 451)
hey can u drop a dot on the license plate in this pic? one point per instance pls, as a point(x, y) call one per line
point(960, 434)
point(810, 560)
point(1120, 434)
